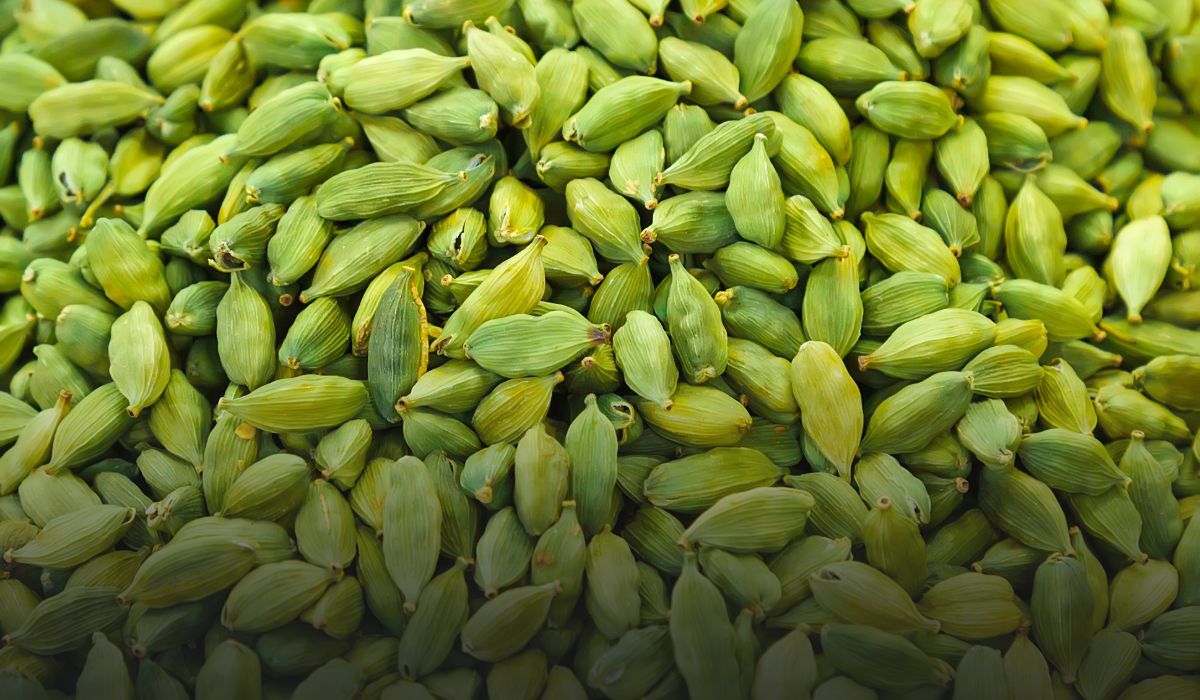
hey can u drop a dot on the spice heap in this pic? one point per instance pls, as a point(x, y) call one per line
point(464, 348)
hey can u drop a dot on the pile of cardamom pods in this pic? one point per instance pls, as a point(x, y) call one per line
point(627, 349)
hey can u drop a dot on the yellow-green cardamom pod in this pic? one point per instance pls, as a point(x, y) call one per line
point(502, 555)
point(861, 594)
point(848, 66)
point(611, 595)
point(441, 612)
point(299, 404)
point(902, 244)
point(562, 78)
point(562, 163)
point(228, 77)
point(60, 622)
point(515, 212)
point(956, 225)
point(1061, 612)
point(27, 77)
point(618, 112)
point(297, 40)
point(763, 379)
point(1140, 593)
point(693, 222)
point(187, 571)
point(80, 169)
point(325, 527)
point(1112, 518)
point(832, 306)
point(805, 167)
point(1121, 410)
point(941, 341)
point(80, 109)
point(755, 198)
point(901, 298)
point(708, 164)
point(353, 258)
point(194, 179)
point(273, 595)
point(635, 164)
point(317, 337)
point(787, 666)
point(412, 524)
point(754, 315)
point(616, 29)
point(504, 625)
point(894, 545)
point(1138, 262)
point(911, 109)
point(73, 538)
point(747, 264)
point(936, 25)
point(761, 519)
point(714, 78)
point(290, 175)
point(698, 336)
point(830, 403)
point(606, 219)
point(193, 310)
point(271, 488)
point(33, 445)
point(141, 361)
point(909, 419)
point(503, 73)
point(765, 48)
point(395, 141)
point(1109, 662)
point(1127, 82)
point(1070, 461)
point(882, 660)
point(591, 442)
point(231, 668)
point(288, 118)
point(1004, 371)
point(456, 115)
point(243, 313)
point(701, 635)
point(1027, 97)
point(453, 387)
